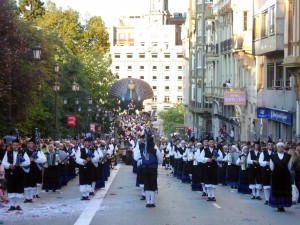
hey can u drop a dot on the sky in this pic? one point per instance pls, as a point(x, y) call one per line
point(111, 10)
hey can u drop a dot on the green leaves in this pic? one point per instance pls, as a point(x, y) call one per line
point(172, 117)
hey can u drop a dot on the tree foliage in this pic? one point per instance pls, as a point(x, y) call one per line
point(172, 117)
point(31, 9)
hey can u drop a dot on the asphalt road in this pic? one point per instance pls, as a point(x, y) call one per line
point(119, 204)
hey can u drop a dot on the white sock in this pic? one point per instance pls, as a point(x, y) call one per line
point(257, 192)
point(152, 194)
point(18, 201)
point(38, 189)
point(208, 191)
point(253, 192)
point(213, 190)
point(93, 186)
point(148, 197)
point(31, 192)
point(204, 188)
point(267, 194)
point(143, 192)
point(27, 194)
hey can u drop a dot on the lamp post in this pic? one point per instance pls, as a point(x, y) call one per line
point(131, 87)
point(56, 88)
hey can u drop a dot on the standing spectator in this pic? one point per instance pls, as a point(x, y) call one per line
point(281, 188)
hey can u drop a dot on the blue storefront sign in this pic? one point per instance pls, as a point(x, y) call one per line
point(273, 114)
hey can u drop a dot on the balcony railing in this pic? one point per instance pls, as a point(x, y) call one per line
point(212, 49)
point(226, 45)
point(218, 92)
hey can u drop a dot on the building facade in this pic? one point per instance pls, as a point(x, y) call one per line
point(246, 92)
point(149, 47)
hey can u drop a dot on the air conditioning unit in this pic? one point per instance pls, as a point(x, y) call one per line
point(277, 83)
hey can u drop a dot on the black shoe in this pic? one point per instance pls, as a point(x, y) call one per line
point(87, 198)
point(143, 198)
point(258, 198)
point(18, 207)
point(82, 198)
point(12, 208)
point(204, 194)
point(27, 200)
point(209, 199)
point(37, 196)
point(280, 210)
point(33, 196)
point(92, 193)
point(47, 190)
point(253, 197)
point(213, 199)
point(266, 202)
point(152, 205)
point(148, 205)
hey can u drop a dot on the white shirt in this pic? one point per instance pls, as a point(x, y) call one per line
point(261, 159)
point(280, 156)
point(203, 159)
point(6, 164)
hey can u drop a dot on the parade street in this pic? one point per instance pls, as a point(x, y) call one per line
point(119, 204)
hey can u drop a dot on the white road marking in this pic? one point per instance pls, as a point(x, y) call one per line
point(88, 213)
point(216, 205)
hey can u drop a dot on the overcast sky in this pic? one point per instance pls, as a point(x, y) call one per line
point(111, 10)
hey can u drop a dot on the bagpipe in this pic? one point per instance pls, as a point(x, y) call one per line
point(20, 160)
point(215, 153)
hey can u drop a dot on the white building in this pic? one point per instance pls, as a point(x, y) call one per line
point(149, 47)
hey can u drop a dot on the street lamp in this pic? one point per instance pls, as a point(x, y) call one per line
point(56, 88)
point(75, 86)
point(90, 100)
point(36, 52)
point(131, 87)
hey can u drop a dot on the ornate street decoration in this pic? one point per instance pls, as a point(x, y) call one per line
point(131, 92)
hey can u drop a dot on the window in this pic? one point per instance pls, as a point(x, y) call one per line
point(142, 55)
point(142, 67)
point(142, 43)
point(154, 55)
point(154, 67)
point(179, 77)
point(179, 99)
point(129, 56)
point(118, 77)
point(167, 56)
point(154, 87)
point(154, 43)
point(117, 67)
point(117, 56)
point(167, 77)
point(131, 44)
point(154, 99)
point(154, 77)
point(129, 67)
point(179, 68)
point(179, 56)
point(167, 88)
point(270, 75)
point(167, 99)
point(167, 67)
point(142, 77)
point(245, 20)
point(279, 71)
point(256, 28)
point(129, 76)
point(272, 20)
point(264, 24)
point(179, 88)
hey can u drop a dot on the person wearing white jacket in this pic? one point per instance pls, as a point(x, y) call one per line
point(86, 160)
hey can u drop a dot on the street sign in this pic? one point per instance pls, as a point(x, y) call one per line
point(179, 127)
point(71, 120)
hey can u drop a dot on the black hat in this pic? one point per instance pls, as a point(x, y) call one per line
point(177, 139)
point(206, 137)
point(270, 140)
point(32, 140)
point(15, 140)
point(211, 138)
point(192, 139)
point(88, 139)
point(142, 136)
point(257, 142)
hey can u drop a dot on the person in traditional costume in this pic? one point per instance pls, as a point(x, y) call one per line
point(223, 165)
point(51, 171)
point(243, 184)
point(187, 160)
point(197, 169)
point(209, 157)
point(255, 173)
point(264, 162)
point(151, 157)
point(85, 158)
point(232, 173)
point(281, 184)
point(34, 176)
point(15, 164)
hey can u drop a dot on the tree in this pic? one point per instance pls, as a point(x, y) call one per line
point(31, 9)
point(172, 117)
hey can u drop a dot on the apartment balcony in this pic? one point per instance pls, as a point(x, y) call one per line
point(226, 45)
point(195, 107)
point(224, 7)
point(212, 50)
point(218, 92)
point(209, 12)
